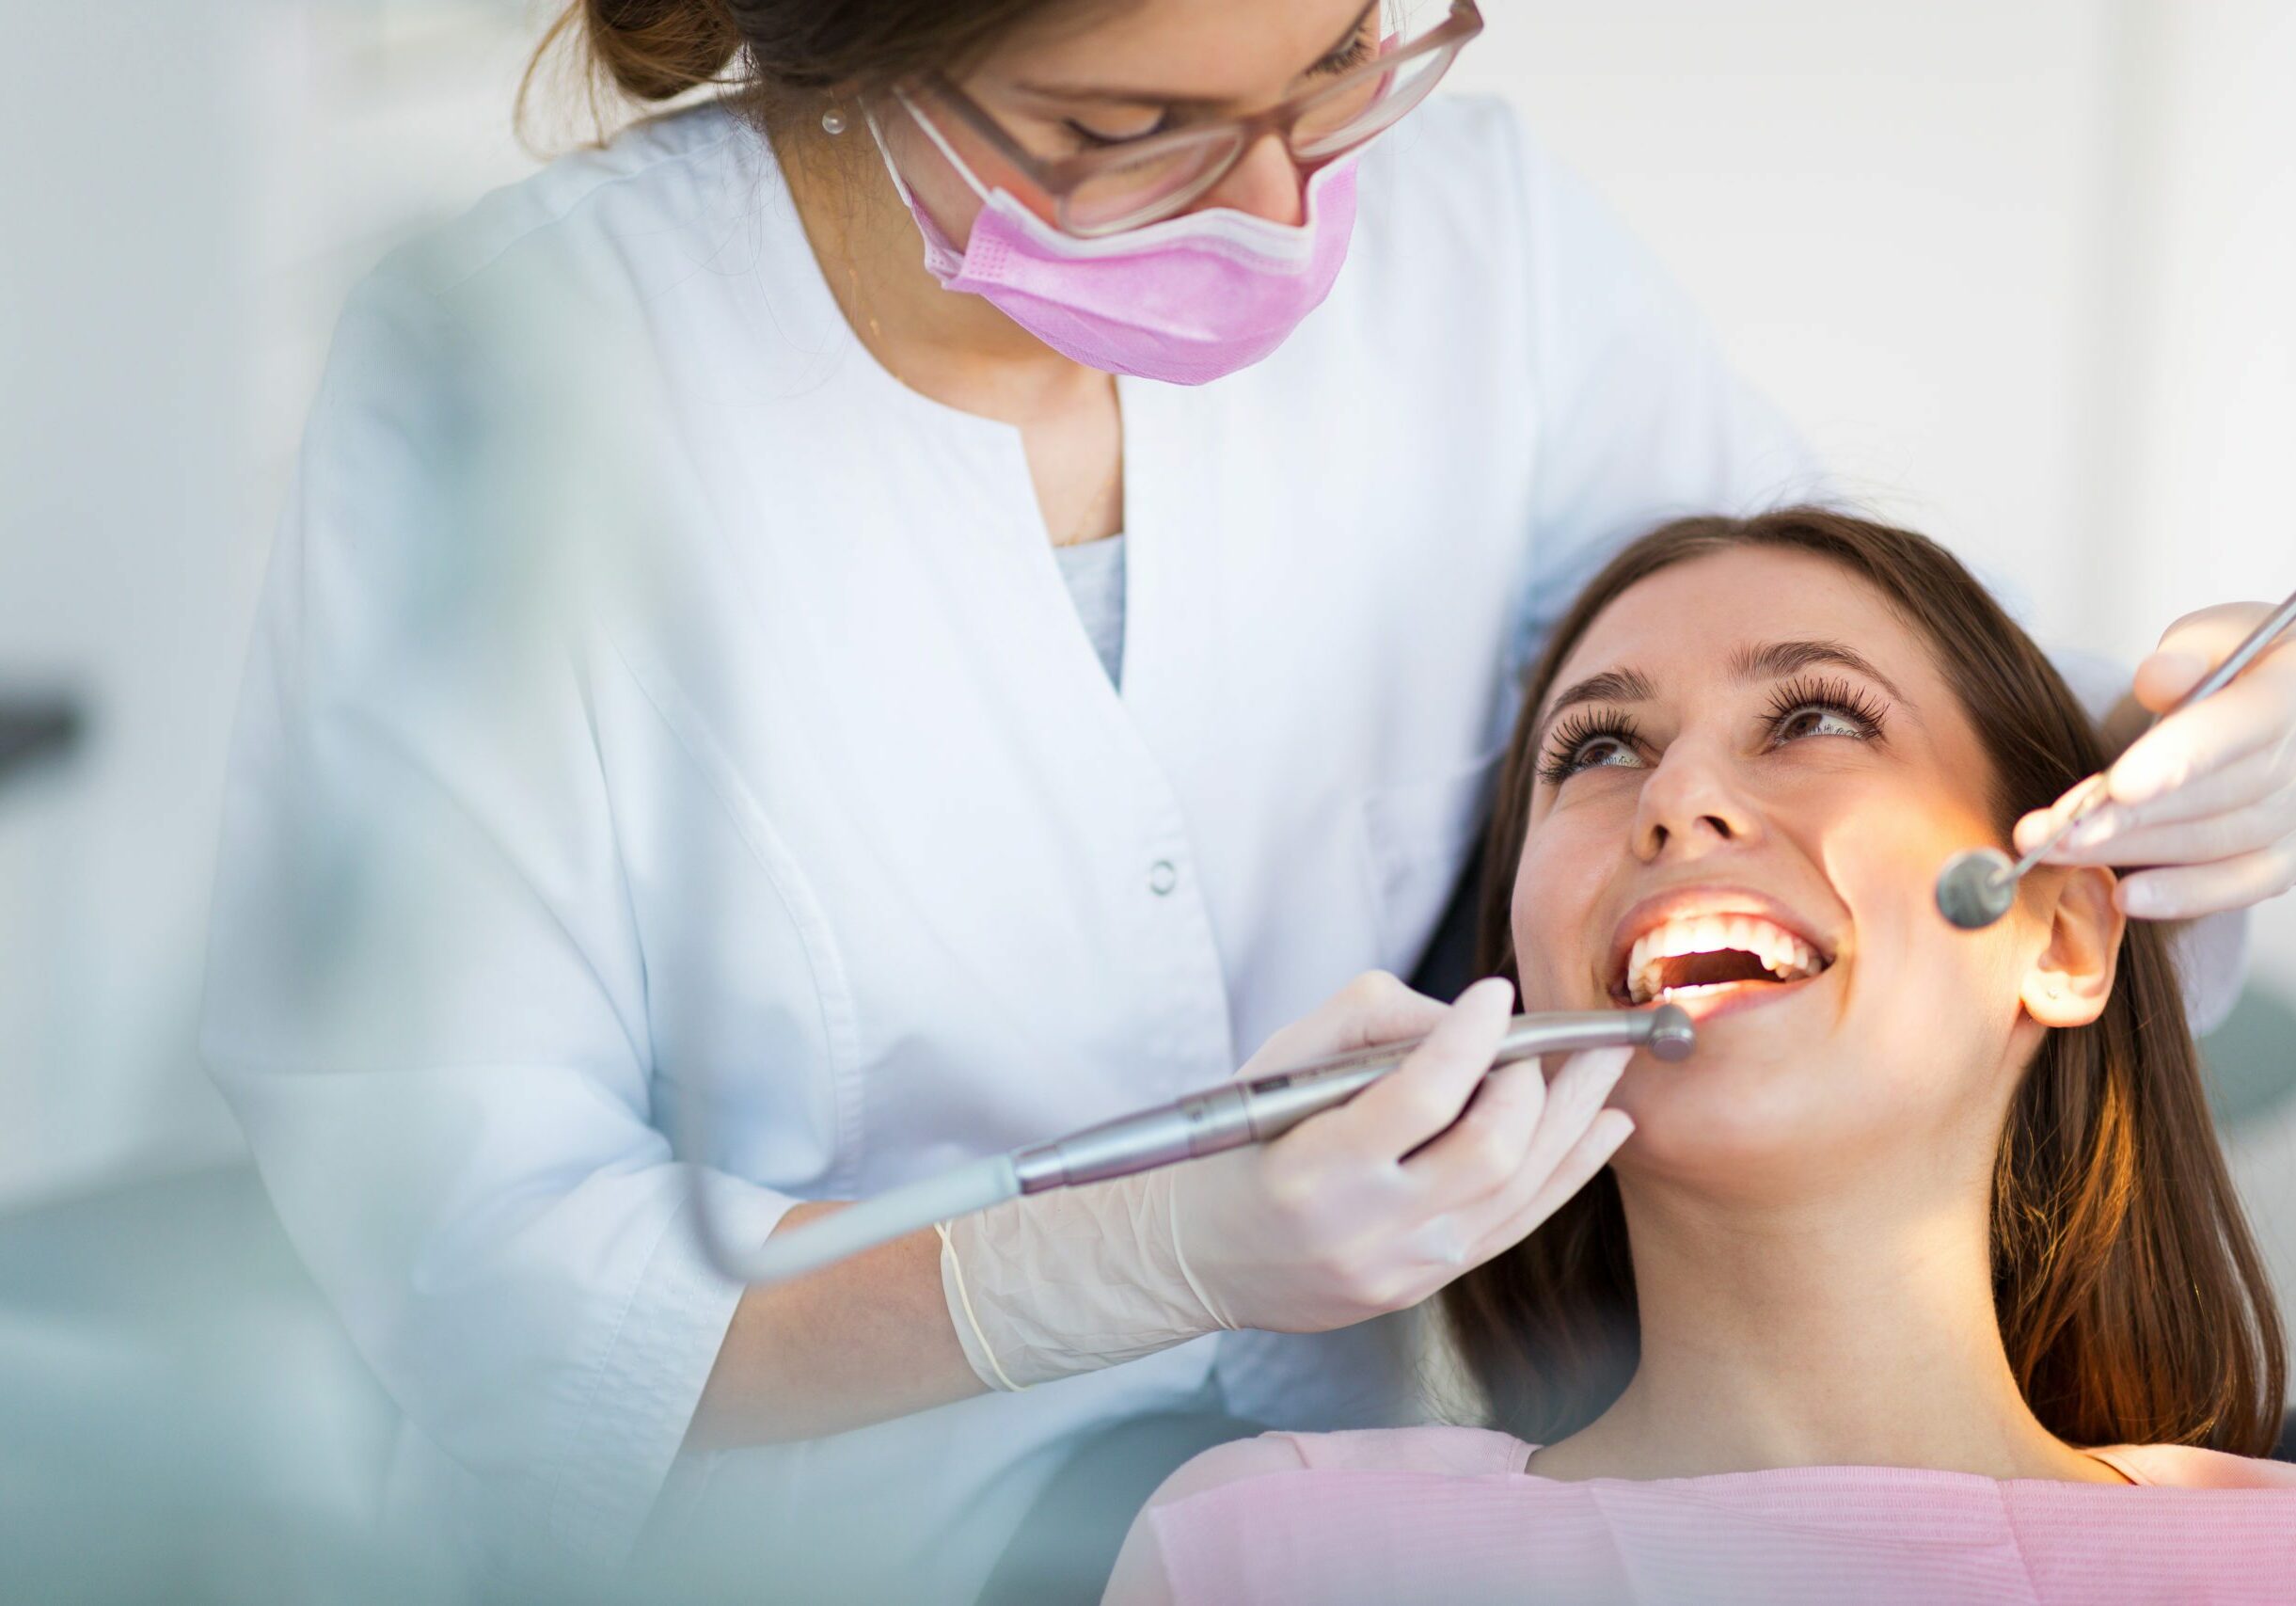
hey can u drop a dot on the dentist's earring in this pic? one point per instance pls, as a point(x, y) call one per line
point(832, 123)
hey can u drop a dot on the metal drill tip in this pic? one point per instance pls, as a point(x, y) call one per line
point(1975, 888)
point(1671, 1036)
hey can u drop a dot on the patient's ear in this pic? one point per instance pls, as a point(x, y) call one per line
point(2071, 977)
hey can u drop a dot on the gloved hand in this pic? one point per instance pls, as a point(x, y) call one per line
point(2206, 801)
point(1376, 1204)
point(1355, 1212)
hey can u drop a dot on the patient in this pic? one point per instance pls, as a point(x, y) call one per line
point(1922, 1260)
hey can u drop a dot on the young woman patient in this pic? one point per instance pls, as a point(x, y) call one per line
point(1924, 1258)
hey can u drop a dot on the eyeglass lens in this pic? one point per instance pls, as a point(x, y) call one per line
point(1354, 111)
point(1128, 191)
point(1167, 176)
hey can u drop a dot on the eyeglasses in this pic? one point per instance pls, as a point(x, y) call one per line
point(1108, 190)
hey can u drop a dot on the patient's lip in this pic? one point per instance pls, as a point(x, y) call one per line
point(1707, 898)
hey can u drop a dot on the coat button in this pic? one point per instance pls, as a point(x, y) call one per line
point(1162, 877)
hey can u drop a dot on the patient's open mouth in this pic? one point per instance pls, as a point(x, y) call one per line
point(1694, 953)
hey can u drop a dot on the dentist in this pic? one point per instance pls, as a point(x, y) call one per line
point(1076, 509)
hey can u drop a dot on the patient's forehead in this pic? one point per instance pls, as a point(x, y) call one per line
point(1690, 618)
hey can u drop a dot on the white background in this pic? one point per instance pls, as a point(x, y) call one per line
point(2023, 271)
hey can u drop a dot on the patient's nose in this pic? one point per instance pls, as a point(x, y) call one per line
point(1691, 805)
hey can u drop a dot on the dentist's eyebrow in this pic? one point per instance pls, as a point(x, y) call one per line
point(1775, 660)
point(1610, 686)
point(1164, 97)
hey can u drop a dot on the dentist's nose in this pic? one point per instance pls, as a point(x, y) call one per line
point(1265, 183)
point(1690, 806)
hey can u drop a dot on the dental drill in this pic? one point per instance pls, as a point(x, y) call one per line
point(1252, 1110)
point(1976, 887)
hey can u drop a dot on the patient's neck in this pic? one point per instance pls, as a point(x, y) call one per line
point(1858, 1332)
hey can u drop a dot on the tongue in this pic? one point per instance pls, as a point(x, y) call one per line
point(1709, 969)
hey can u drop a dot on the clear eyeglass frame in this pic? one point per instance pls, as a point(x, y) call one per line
point(1129, 186)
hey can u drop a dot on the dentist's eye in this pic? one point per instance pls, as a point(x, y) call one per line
point(1100, 139)
point(1588, 741)
point(1354, 53)
point(1824, 707)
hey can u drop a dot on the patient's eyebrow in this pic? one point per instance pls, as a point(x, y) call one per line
point(1610, 686)
point(1774, 661)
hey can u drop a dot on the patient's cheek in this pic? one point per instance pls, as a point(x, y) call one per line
point(1535, 957)
point(1537, 991)
point(1551, 926)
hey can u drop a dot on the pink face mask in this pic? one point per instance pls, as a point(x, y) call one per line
point(1183, 300)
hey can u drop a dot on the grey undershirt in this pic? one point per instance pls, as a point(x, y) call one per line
point(1095, 573)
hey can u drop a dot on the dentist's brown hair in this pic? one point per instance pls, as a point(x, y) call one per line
point(778, 60)
point(2131, 1300)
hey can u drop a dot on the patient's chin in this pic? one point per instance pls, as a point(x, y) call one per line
point(1739, 1124)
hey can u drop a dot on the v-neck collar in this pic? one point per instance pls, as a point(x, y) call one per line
point(999, 446)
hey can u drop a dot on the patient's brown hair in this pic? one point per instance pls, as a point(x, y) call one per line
point(2131, 1300)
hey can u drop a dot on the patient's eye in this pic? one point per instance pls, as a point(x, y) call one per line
point(1589, 742)
point(1824, 707)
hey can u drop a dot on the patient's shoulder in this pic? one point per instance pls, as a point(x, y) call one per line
point(1448, 1450)
point(1139, 1579)
point(1453, 1450)
point(1232, 1462)
point(2186, 1467)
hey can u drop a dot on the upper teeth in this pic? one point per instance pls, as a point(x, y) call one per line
point(1782, 953)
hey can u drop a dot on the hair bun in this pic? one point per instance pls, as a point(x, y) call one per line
point(778, 60)
point(654, 50)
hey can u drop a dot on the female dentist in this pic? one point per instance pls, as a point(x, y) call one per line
point(1076, 508)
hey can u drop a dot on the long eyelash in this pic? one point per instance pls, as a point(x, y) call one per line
point(1854, 703)
point(1354, 53)
point(1104, 142)
point(1574, 732)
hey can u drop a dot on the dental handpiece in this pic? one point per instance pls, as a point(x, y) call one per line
point(1261, 1108)
point(1977, 886)
point(1255, 1110)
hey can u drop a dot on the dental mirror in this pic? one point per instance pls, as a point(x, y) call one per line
point(1976, 887)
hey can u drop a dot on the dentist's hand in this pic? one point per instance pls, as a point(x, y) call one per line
point(2206, 799)
point(1431, 1170)
point(1355, 1212)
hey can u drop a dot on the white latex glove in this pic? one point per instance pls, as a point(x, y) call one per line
point(1431, 1170)
point(1355, 1212)
point(2206, 799)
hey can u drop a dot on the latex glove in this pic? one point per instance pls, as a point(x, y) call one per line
point(2206, 799)
point(1357, 1211)
point(1432, 1171)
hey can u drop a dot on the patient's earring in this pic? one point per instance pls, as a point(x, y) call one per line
point(832, 123)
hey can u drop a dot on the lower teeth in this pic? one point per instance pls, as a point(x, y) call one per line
point(1691, 989)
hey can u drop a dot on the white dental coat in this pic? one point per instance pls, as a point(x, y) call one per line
point(821, 797)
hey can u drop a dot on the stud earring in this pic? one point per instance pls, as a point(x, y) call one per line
point(832, 123)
